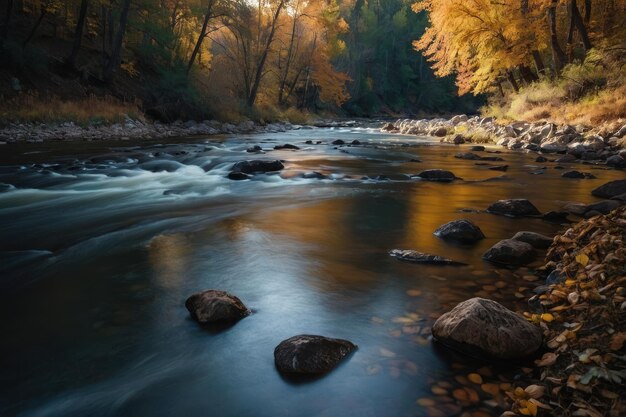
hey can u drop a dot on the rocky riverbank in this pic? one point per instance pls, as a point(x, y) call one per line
point(132, 129)
point(600, 145)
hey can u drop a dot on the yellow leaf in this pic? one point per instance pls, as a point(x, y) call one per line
point(582, 259)
point(532, 408)
point(547, 317)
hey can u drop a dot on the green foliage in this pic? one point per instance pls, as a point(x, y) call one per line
point(388, 75)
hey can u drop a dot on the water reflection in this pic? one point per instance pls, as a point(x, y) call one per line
point(100, 329)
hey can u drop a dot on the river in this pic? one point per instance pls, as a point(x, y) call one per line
point(99, 248)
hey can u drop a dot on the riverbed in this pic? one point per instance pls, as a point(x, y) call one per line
point(99, 248)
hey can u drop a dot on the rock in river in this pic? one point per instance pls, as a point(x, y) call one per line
point(578, 175)
point(437, 175)
point(308, 354)
point(462, 230)
point(421, 258)
point(214, 306)
point(480, 327)
point(467, 155)
point(238, 176)
point(610, 189)
point(286, 146)
point(536, 240)
point(510, 252)
point(515, 208)
point(257, 165)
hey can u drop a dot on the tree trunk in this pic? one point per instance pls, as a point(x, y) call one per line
point(30, 36)
point(587, 11)
point(539, 66)
point(78, 33)
point(116, 52)
point(569, 48)
point(4, 31)
point(283, 78)
point(201, 36)
point(527, 75)
point(557, 53)
point(261, 65)
point(580, 25)
point(513, 81)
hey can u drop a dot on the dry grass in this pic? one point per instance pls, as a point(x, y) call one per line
point(590, 93)
point(28, 108)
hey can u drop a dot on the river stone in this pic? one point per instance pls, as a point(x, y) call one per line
point(536, 240)
point(286, 146)
point(514, 207)
point(338, 142)
point(603, 207)
point(213, 306)
point(480, 327)
point(510, 252)
point(254, 149)
point(461, 230)
point(616, 161)
point(477, 148)
point(238, 176)
point(414, 256)
point(257, 165)
point(308, 354)
point(437, 175)
point(467, 155)
point(610, 189)
point(578, 175)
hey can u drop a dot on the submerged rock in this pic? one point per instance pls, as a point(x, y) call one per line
point(314, 175)
point(536, 240)
point(515, 207)
point(213, 306)
point(257, 165)
point(477, 148)
point(409, 255)
point(461, 230)
point(610, 189)
point(510, 252)
point(499, 168)
point(309, 354)
point(480, 327)
point(437, 175)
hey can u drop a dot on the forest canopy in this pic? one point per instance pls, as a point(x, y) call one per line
point(228, 58)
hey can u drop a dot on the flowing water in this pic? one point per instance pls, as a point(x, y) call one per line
point(99, 248)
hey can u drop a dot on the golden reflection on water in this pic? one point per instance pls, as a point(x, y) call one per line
point(169, 256)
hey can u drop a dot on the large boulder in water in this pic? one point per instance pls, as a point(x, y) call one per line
point(437, 175)
point(215, 306)
point(510, 252)
point(610, 189)
point(515, 207)
point(461, 230)
point(308, 354)
point(480, 327)
point(257, 165)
